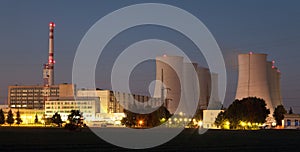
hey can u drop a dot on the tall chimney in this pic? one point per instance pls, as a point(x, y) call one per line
point(48, 71)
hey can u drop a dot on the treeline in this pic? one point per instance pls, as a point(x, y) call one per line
point(148, 120)
point(74, 121)
point(10, 118)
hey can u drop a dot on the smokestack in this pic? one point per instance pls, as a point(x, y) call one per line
point(48, 71)
point(51, 43)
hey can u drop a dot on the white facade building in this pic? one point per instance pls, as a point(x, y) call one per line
point(89, 107)
point(209, 117)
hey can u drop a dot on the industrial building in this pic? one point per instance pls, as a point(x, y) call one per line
point(258, 78)
point(89, 106)
point(33, 97)
point(115, 102)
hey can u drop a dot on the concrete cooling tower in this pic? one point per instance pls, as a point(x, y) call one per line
point(198, 80)
point(169, 71)
point(191, 89)
point(274, 84)
point(258, 78)
point(205, 86)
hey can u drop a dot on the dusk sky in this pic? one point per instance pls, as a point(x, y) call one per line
point(271, 27)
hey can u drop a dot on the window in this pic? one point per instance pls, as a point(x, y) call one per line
point(288, 122)
point(296, 123)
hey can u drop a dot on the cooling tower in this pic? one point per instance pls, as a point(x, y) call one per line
point(192, 90)
point(253, 79)
point(205, 86)
point(169, 71)
point(278, 87)
point(274, 84)
point(197, 82)
point(213, 100)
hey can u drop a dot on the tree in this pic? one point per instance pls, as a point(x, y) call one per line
point(149, 120)
point(279, 114)
point(291, 110)
point(56, 118)
point(18, 119)
point(46, 121)
point(75, 120)
point(198, 115)
point(10, 117)
point(2, 118)
point(36, 120)
point(75, 116)
point(249, 109)
point(220, 119)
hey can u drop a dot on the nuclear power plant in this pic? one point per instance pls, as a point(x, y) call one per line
point(171, 70)
point(259, 78)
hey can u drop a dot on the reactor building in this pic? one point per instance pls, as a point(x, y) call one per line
point(258, 78)
point(171, 70)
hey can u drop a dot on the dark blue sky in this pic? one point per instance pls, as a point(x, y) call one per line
point(269, 26)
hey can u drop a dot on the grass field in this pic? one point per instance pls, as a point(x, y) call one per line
point(56, 139)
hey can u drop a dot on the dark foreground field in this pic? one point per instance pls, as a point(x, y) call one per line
point(54, 139)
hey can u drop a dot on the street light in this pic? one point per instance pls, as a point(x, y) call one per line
point(185, 119)
point(200, 124)
point(141, 122)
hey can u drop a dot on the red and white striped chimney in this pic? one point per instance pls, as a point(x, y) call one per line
point(48, 71)
point(51, 43)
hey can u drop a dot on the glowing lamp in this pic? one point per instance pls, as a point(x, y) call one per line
point(51, 24)
point(141, 122)
point(200, 123)
point(227, 123)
